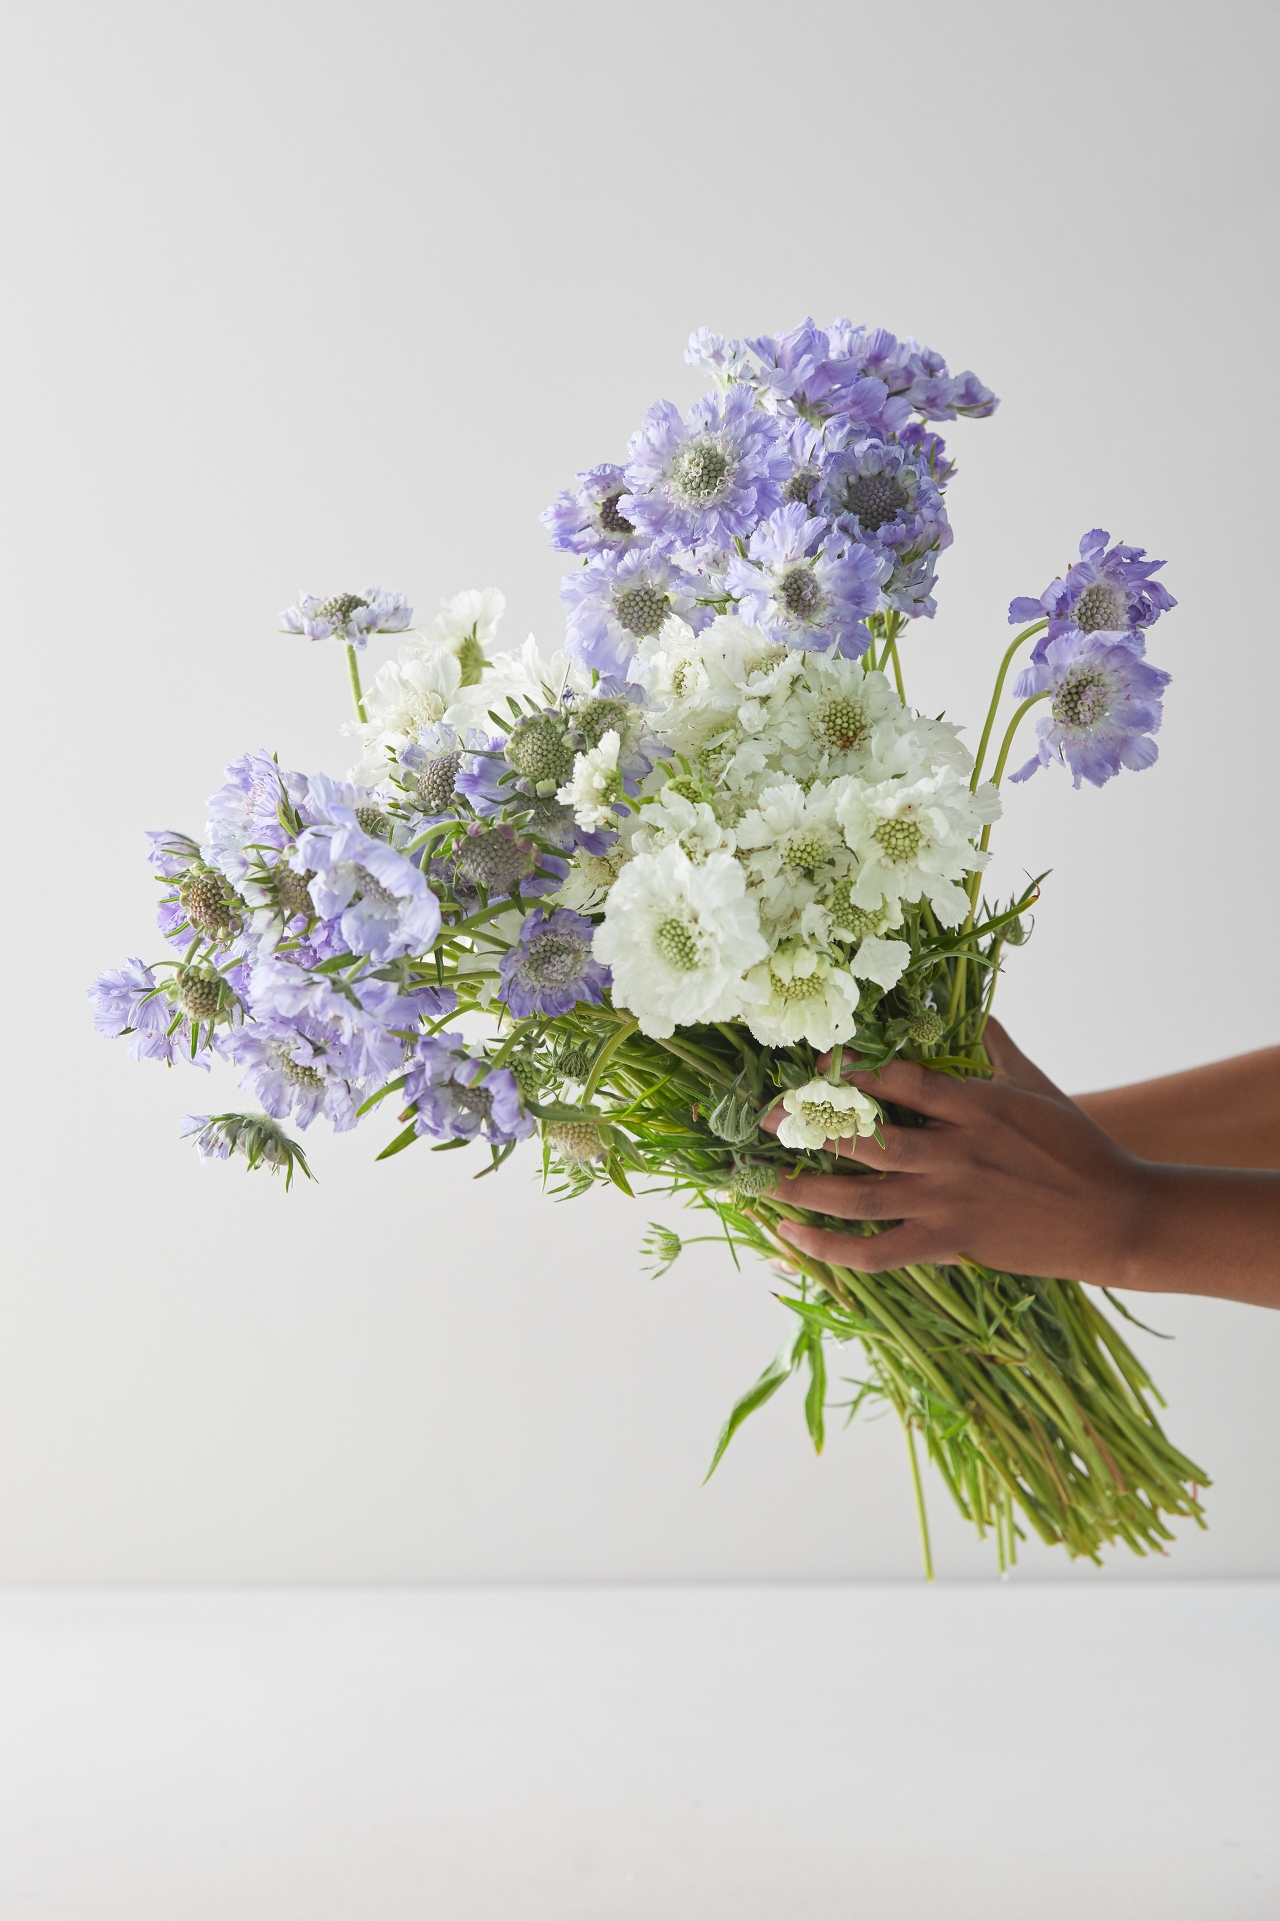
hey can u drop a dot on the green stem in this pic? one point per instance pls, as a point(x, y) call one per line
point(1010, 651)
point(353, 668)
point(902, 695)
point(920, 1508)
point(1007, 743)
point(612, 1044)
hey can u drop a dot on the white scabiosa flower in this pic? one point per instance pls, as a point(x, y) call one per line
point(831, 718)
point(466, 627)
point(914, 839)
point(405, 698)
point(595, 784)
point(586, 887)
point(790, 843)
point(673, 820)
point(820, 1112)
point(802, 995)
point(678, 938)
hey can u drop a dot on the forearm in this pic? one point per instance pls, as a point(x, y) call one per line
point(1202, 1230)
point(1223, 1115)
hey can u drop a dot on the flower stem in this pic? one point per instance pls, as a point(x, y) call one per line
point(1010, 651)
point(920, 1508)
point(353, 668)
point(1007, 742)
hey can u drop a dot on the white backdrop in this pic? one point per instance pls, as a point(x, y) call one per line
point(314, 294)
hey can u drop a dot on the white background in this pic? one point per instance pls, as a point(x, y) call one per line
point(310, 295)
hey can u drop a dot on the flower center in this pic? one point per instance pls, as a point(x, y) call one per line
point(899, 840)
point(801, 485)
point(677, 943)
point(436, 782)
point(373, 821)
point(610, 519)
point(800, 987)
point(553, 960)
point(476, 1100)
point(699, 471)
point(539, 750)
point(199, 995)
point(208, 909)
point(293, 893)
point(851, 919)
point(1101, 608)
point(641, 609)
point(300, 1073)
point(495, 860)
point(832, 1120)
point(875, 499)
point(806, 847)
point(340, 607)
point(575, 1141)
point(372, 892)
point(594, 720)
point(1084, 698)
point(840, 721)
point(799, 592)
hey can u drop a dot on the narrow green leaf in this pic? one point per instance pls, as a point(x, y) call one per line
point(763, 1390)
point(401, 1141)
point(815, 1399)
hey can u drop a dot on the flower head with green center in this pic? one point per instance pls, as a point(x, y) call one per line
point(806, 585)
point(804, 995)
point(596, 785)
point(914, 839)
point(621, 598)
point(706, 480)
point(1105, 702)
point(347, 616)
point(1109, 590)
point(791, 845)
point(821, 1112)
point(678, 938)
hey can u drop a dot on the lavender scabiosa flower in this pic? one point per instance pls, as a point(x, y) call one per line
point(916, 376)
point(1107, 591)
point(504, 864)
point(724, 361)
point(706, 480)
point(1105, 703)
point(156, 1016)
point(585, 518)
point(551, 968)
point(304, 1067)
point(216, 1137)
point(882, 493)
point(805, 587)
point(456, 1094)
point(807, 372)
point(349, 617)
point(381, 900)
point(169, 852)
point(619, 599)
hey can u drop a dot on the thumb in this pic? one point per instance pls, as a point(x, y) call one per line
point(1009, 1061)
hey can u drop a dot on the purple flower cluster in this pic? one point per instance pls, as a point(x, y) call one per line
point(1108, 590)
point(828, 422)
point(1105, 702)
point(456, 1094)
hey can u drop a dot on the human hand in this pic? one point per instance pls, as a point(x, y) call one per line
point(1008, 1172)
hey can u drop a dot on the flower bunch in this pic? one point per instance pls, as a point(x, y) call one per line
point(678, 868)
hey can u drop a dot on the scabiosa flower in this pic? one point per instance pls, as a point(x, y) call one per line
point(821, 1111)
point(791, 842)
point(914, 838)
point(304, 1067)
point(405, 699)
point(596, 785)
point(804, 995)
point(552, 968)
point(130, 1000)
point(916, 376)
point(456, 1094)
point(429, 769)
point(881, 492)
point(585, 518)
point(724, 361)
point(678, 938)
point(1107, 591)
point(620, 599)
point(381, 900)
point(805, 587)
point(216, 1137)
point(244, 814)
point(349, 617)
point(706, 480)
point(1105, 703)
point(499, 860)
point(466, 627)
point(808, 372)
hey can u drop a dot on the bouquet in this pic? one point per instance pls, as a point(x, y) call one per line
point(680, 870)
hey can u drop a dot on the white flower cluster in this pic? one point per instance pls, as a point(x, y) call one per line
point(766, 865)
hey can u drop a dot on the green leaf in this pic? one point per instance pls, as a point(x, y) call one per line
point(763, 1390)
point(815, 1399)
point(401, 1141)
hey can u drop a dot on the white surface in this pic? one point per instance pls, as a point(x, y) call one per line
point(983, 1753)
point(309, 295)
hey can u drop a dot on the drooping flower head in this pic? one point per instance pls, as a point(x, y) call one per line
point(456, 1094)
point(585, 518)
point(1105, 703)
point(1107, 591)
point(349, 617)
point(706, 480)
point(822, 1112)
point(807, 587)
point(381, 901)
point(619, 599)
point(808, 372)
point(552, 967)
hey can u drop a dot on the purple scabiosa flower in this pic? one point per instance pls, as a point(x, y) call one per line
point(808, 372)
point(368, 1017)
point(160, 1018)
point(882, 493)
point(304, 1067)
point(244, 814)
point(724, 361)
point(551, 968)
point(216, 1137)
point(458, 1095)
point(349, 617)
point(1107, 591)
point(806, 588)
point(585, 518)
point(706, 480)
point(428, 771)
point(932, 449)
point(1105, 703)
point(381, 900)
point(170, 853)
point(916, 376)
point(618, 600)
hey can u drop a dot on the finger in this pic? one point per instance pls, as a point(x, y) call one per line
point(901, 1246)
point(786, 1268)
point(939, 1096)
point(850, 1197)
point(1008, 1059)
point(902, 1150)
